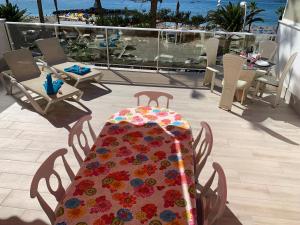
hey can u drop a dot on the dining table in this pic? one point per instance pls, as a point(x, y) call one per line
point(140, 170)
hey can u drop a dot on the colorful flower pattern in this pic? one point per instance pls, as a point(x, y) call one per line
point(135, 173)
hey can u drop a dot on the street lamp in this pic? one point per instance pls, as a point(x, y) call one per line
point(244, 6)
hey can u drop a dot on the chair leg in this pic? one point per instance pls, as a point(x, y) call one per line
point(47, 107)
point(243, 96)
point(77, 82)
point(256, 89)
point(277, 98)
point(212, 85)
point(263, 89)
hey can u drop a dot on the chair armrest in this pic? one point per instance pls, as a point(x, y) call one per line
point(41, 61)
point(9, 76)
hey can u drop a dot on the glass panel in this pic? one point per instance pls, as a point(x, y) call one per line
point(132, 48)
point(24, 36)
point(86, 44)
point(179, 56)
point(183, 50)
point(80, 44)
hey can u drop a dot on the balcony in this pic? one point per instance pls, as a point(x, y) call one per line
point(257, 145)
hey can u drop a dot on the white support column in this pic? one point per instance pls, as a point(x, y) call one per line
point(4, 43)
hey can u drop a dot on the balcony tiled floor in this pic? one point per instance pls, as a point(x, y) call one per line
point(257, 145)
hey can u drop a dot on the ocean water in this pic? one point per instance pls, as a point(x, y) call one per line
point(194, 6)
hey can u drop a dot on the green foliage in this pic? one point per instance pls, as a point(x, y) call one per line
point(252, 16)
point(197, 20)
point(280, 12)
point(231, 17)
point(228, 18)
point(12, 12)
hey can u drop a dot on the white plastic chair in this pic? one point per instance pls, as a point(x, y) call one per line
point(46, 171)
point(211, 46)
point(267, 49)
point(275, 81)
point(78, 132)
point(211, 203)
point(202, 147)
point(233, 65)
point(153, 97)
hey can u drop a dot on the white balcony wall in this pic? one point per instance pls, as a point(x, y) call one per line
point(4, 43)
point(289, 43)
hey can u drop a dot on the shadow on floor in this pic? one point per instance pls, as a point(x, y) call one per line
point(66, 113)
point(92, 90)
point(228, 218)
point(60, 114)
point(260, 110)
point(17, 221)
point(170, 79)
point(5, 100)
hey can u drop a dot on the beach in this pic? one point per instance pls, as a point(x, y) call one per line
point(194, 6)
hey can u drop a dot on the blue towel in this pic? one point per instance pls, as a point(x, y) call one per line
point(52, 87)
point(78, 70)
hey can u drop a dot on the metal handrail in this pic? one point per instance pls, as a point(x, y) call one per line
point(107, 28)
point(135, 28)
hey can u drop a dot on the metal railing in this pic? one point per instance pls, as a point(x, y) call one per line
point(131, 47)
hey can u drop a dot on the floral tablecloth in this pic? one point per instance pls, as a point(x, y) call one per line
point(140, 171)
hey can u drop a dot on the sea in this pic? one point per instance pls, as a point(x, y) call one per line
point(196, 7)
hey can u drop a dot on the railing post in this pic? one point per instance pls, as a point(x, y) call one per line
point(107, 48)
point(6, 34)
point(56, 31)
point(158, 51)
point(4, 43)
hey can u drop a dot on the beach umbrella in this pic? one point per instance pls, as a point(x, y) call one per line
point(56, 9)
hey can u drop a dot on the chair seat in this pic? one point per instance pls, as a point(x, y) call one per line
point(216, 69)
point(240, 84)
point(60, 67)
point(36, 85)
point(267, 79)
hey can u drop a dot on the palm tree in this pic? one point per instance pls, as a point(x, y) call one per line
point(177, 12)
point(153, 12)
point(56, 9)
point(40, 8)
point(11, 12)
point(280, 12)
point(253, 12)
point(228, 18)
point(98, 6)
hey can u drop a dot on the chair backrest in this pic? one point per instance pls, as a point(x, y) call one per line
point(211, 46)
point(45, 171)
point(202, 147)
point(22, 64)
point(267, 49)
point(153, 97)
point(287, 68)
point(78, 132)
point(233, 65)
point(214, 200)
point(52, 51)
